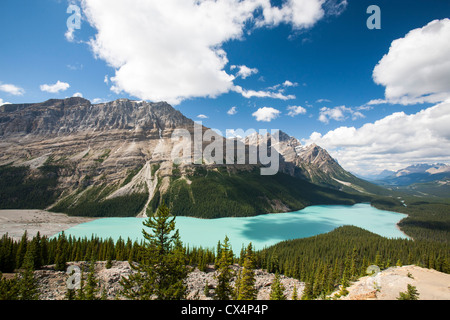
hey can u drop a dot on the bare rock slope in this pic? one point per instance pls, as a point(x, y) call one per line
point(387, 285)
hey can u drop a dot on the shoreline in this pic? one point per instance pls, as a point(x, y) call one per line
point(14, 222)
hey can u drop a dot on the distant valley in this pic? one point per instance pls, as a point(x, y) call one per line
point(420, 180)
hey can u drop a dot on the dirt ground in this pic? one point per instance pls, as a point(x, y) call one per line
point(387, 285)
point(15, 222)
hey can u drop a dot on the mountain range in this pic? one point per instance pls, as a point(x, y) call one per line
point(419, 179)
point(117, 159)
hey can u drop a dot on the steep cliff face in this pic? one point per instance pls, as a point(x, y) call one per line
point(77, 115)
point(109, 146)
point(101, 154)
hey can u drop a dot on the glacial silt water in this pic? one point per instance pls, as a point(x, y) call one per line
point(262, 230)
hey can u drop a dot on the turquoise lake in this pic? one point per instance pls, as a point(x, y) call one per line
point(261, 231)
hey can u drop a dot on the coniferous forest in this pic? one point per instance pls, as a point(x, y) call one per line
point(326, 262)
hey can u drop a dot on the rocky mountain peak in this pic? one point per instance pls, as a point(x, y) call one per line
point(67, 116)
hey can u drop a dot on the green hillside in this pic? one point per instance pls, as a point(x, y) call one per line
point(214, 193)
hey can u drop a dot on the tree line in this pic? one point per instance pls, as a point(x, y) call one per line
point(161, 262)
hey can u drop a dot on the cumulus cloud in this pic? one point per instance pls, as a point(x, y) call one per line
point(300, 14)
point(393, 142)
point(172, 50)
point(322, 100)
point(78, 94)
point(69, 35)
point(417, 69)
point(202, 116)
point(244, 71)
point(266, 114)
point(340, 113)
point(296, 110)
point(99, 100)
point(12, 89)
point(288, 83)
point(55, 88)
point(262, 94)
point(232, 111)
point(3, 102)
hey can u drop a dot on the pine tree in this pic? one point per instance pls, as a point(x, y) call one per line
point(9, 288)
point(410, 294)
point(247, 290)
point(308, 291)
point(223, 289)
point(277, 289)
point(218, 255)
point(162, 272)
point(91, 288)
point(21, 250)
point(81, 295)
point(28, 288)
point(61, 258)
point(206, 289)
point(294, 293)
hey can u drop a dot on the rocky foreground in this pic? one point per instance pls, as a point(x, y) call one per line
point(386, 285)
point(53, 283)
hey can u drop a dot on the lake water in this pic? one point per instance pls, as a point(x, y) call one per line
point(263, 230)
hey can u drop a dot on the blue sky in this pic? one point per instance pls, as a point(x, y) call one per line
point(313, 58)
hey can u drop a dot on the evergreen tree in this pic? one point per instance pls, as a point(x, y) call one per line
point(247, 290)
point(218, 255)
point(277, 289)
point(162, 272)
point(70, 294)
point(22, 249)
point(81, 295)
point(91, 288)
point(294, 293)
point(224, 290)
point(61, 257)
point(28, 289)
point(9, 288)
point(206, 289)
point(308, 291)
point(410, 294)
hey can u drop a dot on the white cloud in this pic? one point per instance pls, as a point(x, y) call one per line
point(3, 102)
point(288, 83)
point(12, 89)
point(202, 116)
point(55, 88)
point(301, 14)
point(69, 35)
point(262, 94)
point(78, 94)
point(417, 69)
point(323, 100)
point(338, 114)
point(266, 114)
point(391, 143)
point(244, 71)
point(232, 111)
point(99, 100)
point(296, 110)
point(177, 52)
point(75, 67)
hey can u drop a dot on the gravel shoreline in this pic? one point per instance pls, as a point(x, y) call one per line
point(15, 222)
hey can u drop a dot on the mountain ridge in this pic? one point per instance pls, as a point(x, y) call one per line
point(97, 156)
